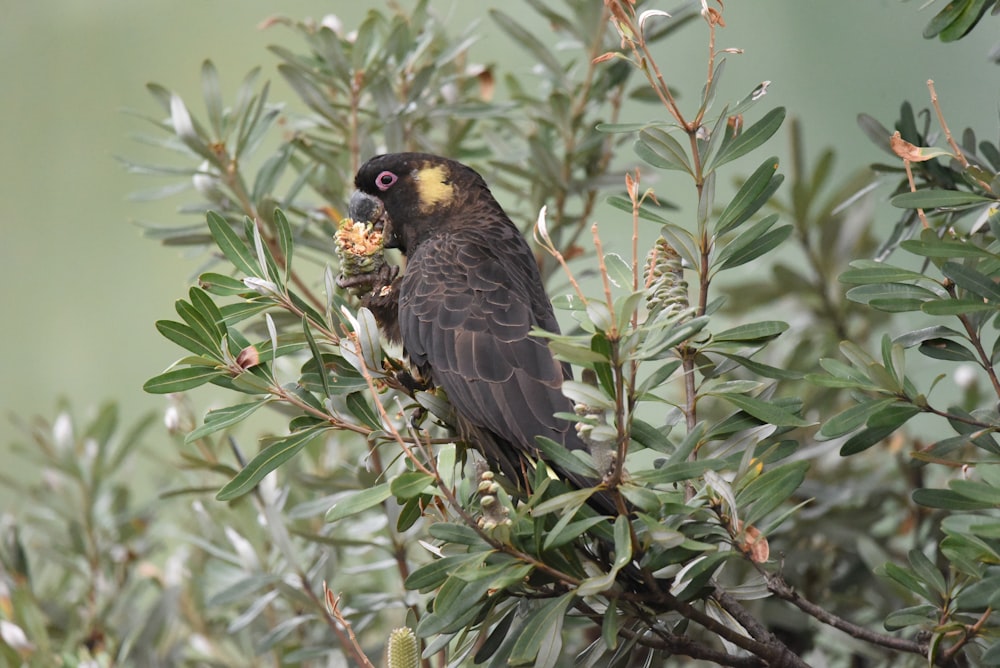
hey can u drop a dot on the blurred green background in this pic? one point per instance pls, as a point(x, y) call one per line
point(82, 288)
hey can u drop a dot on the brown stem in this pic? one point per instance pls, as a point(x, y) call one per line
point(777, 586)
point(959, 155)
point(968, 633)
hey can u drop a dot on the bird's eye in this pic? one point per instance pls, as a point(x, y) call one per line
point(385, 180)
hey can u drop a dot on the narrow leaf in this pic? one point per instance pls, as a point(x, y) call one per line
point(180, 380)
point(658, 148)
point(271, 457)
point(751, 138)
point(186, 338)
point(358, 502)
point(765, 411)
point(284, 240)
point(232, 246)
point(771, 489)
point(750, 197)
point(540, 642)
point(764, 330)
point(934, 199)
point(972, 280)
point(224, 417)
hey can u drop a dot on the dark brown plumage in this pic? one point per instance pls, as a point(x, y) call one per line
point(467, 302)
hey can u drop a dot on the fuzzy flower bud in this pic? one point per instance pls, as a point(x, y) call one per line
point(402, 650)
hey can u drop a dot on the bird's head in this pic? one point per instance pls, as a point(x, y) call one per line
point(413, 195)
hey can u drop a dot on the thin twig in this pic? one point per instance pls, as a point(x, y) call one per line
point(959, 155)
point(776, 585)
point(333, 605)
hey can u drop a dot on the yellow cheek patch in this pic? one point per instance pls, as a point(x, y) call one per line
point(433, 188)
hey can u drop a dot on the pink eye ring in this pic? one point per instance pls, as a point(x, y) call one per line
point(385, 180)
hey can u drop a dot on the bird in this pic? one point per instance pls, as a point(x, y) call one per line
point(465, 307)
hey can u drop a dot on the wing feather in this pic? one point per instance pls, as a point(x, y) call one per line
point(467, 308)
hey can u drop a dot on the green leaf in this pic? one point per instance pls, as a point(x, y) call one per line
point(358, 502)
point(202, 327)
point(432, 575)
point(540, 642)
point(619, 271)
point(976, 490)
point(563, 458)
point(180, 380)
point(669, 336)
point(891, 296)
point(201, 301)
point(561, 535)
point(970, 14)
point(755, 248)
point(184, 336)
point(649, 436)
point(956, 306)
point(357, 403)
point(895, 415)
point(762, 369)
point(683, 242)
point(865, 439)
point(458, 534)
point(850, 419)
point(271, 457)
point(270, 172)
point(224, 417)
point(610, 627)
point(621, 128)
point(947, 499)
point(240, 311)
point(676, 472)
point(918, 336)
point(770, 489)
point(321, 371)
point(691, 580)
point(645, 211)
point(251, 230)
point(751, 196)
point(658, 148)
point(751, 138)
point(623, 542)
point(916, 615)
point(931, 246)
point(563, 503)
point(222, 285)
point(232, 246)
point(410, 484)
point(623, 555)
point(908, 579)
point(756, 332)
point(457, 604)
point(927, 572)
point(974, 281)
point(933, 199)
point(284, 240)
point(212, 92)
point(765, 411)
point(980, 595)
point(411, 511)
point(865, 274)
point(946, 349)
